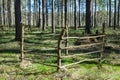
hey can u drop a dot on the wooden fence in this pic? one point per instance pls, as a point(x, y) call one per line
point(64, 36)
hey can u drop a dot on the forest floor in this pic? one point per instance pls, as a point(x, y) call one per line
point(38, 43)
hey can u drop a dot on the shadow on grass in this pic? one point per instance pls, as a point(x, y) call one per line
point(43, 51)
point(110, 50)
point(39, 43)
point(7, 40)
point(9, 62)
point(9, 51)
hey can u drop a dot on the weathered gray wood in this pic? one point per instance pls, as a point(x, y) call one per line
point(79, 62)
point(66, 41)
point(87, 37)
point(81, 46)
point(22, 43)
point(81, 54)
point(102, 48)
point(59, 49)
point(64, 36)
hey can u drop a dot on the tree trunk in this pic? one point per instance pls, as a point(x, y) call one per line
point(46, 12)
point(9, 12)
point(115, 14)
point(18, 19)
point(39, 18)
point(109, 13)
point(79, 14)
point(3, 5)
point(75, 25)
point(118, 13)
point(62, 19)
point(95, 15)
point(34, 15)
point(29, 14)
point(65, 13)
point(92, 14)
point(88, 16)
point(58, 14)
point(43, 15)
point(66, 26)
point(53, 17)
point(37, 13)
point(0, 14)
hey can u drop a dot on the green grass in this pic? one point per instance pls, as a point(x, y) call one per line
point(46, 43)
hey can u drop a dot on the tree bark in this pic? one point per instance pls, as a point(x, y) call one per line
point(114, 14)
point(18, 19)
point(46, 12)
point(9, 12)
point(3, 5)
point(39, 17)
point(43, 15)
point(62, 19)
point(53, 17)
point(109, 13)
point(79, 14)
point(118, 13)
point(0, 14)
point(75, 25)
point(29, 14)
point(95, 15)
point(88, 16)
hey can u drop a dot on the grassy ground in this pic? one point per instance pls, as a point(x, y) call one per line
point(37, 43)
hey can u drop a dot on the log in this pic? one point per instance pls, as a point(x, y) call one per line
point(81, 46)
point(81, 54)
point(87, 37)
point(79, 62)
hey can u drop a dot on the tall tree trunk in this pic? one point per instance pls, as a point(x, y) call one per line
point(79, 13)
point(34, 15)
point(62, 19)
point(92, 14)
point(95, 14)
point(118, 13)
point(109, 13)
point(3, 5)
point(88, 16)
point(46, 12)
point(29, 14)
point(9, 12)
point(18, 20)
point(53, 17)
point(43, 15)
point(37, 13)
point(39, 18)
point(75, 25)
point(65, 12)
point(58, 14)
point(0, 14)
point(114, 14)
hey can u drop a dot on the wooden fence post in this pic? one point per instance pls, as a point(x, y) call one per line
point(59, 55)
point(102, 47)
point(103, 28)
point(66, 41)
point(22, 43)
